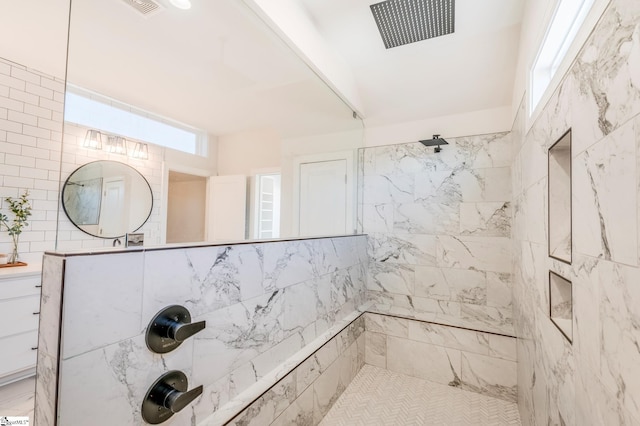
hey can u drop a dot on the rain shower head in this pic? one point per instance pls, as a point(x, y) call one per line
point(408, 21)
point(435, 141)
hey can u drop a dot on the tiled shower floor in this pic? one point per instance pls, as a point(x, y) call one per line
point(380, 397)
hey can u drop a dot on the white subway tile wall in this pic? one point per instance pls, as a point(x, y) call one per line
point(31, 151)
point(31, 106)
point(74, 155)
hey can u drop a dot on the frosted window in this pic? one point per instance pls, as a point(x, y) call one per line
point(109, 118)
point(566, 21)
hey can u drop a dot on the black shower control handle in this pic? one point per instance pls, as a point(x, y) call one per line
point(167, 396)
point(176, 400)
point(169, 328)
point(180, 331)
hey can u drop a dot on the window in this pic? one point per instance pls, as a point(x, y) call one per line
point(267, 206)
point(565, 23)
point(102, 114)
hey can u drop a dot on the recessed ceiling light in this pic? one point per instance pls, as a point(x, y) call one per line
point(181, 4)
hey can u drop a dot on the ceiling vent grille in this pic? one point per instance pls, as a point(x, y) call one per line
point(145, 7)
point(408, 21)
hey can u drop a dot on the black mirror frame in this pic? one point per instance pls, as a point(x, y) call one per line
point(64, 208)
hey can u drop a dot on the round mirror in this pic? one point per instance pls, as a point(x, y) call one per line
point(107, 199)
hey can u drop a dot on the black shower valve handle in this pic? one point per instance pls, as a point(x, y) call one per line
point(181, 331)
point(167, 396)
point(175, 400)
point(169, 328)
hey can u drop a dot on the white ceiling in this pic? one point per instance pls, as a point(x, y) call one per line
point(34, 33)
point(470, 70)
point(215, 67)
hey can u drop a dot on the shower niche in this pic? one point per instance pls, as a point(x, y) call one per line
point(561, 304)
point(559, 199)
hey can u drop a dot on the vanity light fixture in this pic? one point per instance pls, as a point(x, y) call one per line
point(93, 140)
point(140, 151)
point(435, 141)
point(181, 4)
point(117, 145)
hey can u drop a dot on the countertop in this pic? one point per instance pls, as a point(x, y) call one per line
point(33, 268)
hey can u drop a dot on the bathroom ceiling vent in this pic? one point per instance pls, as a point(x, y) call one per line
point(145, 7)
point(407, 21)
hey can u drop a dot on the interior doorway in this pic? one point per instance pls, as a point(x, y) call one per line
point(227, 208)
point(186, 208)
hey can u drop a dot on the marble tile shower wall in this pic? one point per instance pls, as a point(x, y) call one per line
point(262, 303)
point(439, 227)
point(595, 380)
point(471, 360)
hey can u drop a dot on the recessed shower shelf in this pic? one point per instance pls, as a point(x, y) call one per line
point(561, 304)
point(559, 199)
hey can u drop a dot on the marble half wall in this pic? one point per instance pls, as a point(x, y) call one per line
point(594, 380)
point(263, 303)
point(439, 227)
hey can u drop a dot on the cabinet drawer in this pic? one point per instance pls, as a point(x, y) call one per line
point(18, 315)
point(17, 352)
point(18, 287)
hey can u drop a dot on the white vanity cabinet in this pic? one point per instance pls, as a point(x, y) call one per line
point(19, 307)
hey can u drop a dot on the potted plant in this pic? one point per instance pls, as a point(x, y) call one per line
point(21, 209)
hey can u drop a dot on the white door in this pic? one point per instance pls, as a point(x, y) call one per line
point(112, 221)
point(323, 198)
point(227, 208)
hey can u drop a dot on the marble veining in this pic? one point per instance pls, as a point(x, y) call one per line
point(592, 380)
point(306, 385)
point(438, 225)
point(472, 360)
point(602, 179)
point(267, 306)
point(48, 335)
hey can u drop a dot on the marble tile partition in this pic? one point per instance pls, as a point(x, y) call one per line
point(595, 380)
point(263, 303)
point(48, 341)
point(439, 227)
point(471, 360)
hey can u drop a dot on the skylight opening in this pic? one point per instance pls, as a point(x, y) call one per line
point(565, 24)
point(96, 112)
